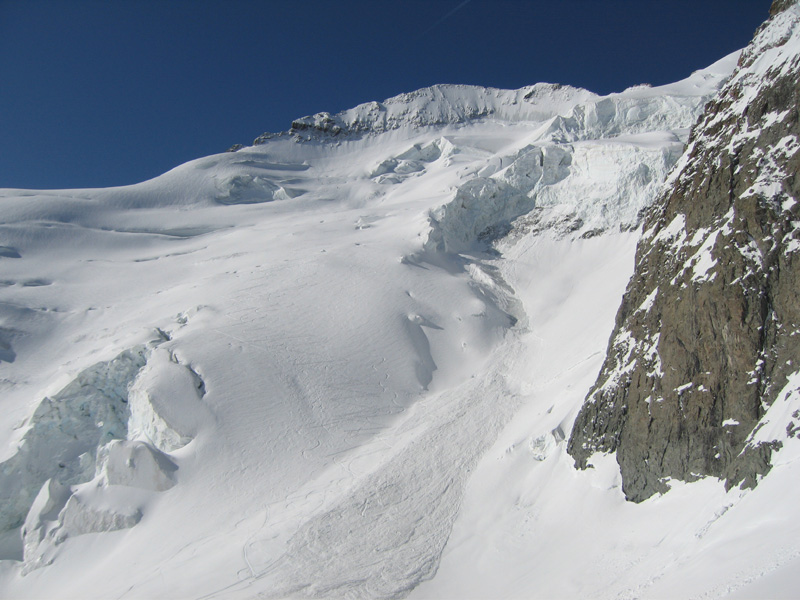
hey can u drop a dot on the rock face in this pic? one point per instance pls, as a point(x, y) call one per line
point(707, 333)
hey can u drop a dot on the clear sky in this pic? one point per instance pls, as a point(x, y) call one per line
point(112, 92)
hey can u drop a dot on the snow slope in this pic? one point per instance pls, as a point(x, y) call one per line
point(342, 362)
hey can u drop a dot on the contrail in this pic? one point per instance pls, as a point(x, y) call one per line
point(447, 16)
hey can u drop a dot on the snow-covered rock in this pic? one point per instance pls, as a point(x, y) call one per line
point(706, 332)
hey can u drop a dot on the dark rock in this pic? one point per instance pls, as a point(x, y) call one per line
point(592, 233)
point(779, 6)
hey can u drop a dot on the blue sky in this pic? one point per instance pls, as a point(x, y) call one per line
point(101, 93)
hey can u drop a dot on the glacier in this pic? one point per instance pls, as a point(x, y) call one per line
point(353, 352)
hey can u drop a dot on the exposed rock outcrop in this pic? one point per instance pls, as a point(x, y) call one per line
point(707, 333)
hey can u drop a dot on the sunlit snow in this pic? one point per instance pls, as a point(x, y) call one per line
point(343, 363)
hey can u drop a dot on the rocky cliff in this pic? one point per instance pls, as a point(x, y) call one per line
point(707, 337)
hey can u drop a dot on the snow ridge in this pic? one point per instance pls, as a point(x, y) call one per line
point(571, 112)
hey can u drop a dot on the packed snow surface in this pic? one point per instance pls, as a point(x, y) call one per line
point(343, 363)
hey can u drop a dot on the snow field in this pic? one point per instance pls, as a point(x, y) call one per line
point(345, 382)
